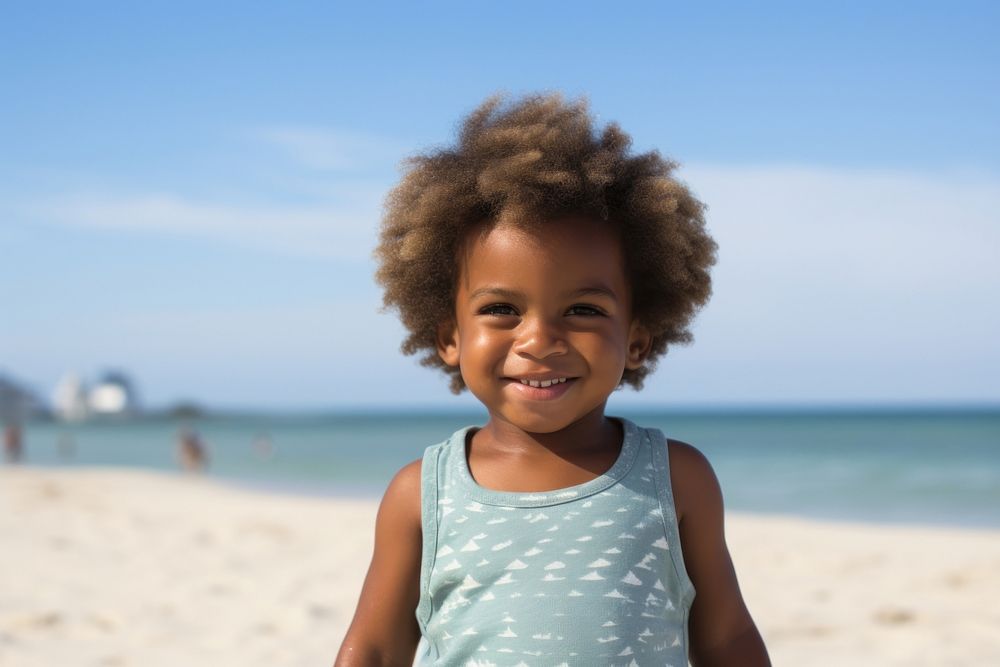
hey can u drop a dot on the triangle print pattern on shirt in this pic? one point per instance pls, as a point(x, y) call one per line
point(583, 576)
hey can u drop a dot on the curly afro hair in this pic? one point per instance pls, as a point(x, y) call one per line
point(534, 159)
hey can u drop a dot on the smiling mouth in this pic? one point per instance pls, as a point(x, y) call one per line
point(541, 383)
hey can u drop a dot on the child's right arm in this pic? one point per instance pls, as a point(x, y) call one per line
point(384, 631)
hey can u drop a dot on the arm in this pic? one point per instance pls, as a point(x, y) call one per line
point(721, 630)
point(384, 632)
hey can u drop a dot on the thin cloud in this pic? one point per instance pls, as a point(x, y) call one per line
point(841, 275)
point(877, 230)
point(327, 149)
point(345, 230)
point(334, 216)
point(831, 284)
point(803, 240)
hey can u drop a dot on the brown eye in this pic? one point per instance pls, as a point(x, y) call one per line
point(498, 309)
point(585, 310)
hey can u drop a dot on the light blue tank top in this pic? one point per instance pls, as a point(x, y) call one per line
point(589, 575)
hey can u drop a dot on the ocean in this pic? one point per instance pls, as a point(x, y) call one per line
point(939, 467)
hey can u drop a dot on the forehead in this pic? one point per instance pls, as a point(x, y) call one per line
point(554, 253)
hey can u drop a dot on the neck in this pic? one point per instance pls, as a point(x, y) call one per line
point(592, 432)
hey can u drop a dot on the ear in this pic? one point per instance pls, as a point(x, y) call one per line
point(447, 342)
point(640, 341)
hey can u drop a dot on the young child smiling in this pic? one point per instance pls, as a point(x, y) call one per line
point(543, 266)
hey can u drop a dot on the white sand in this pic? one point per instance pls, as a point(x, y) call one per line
point(108, 567)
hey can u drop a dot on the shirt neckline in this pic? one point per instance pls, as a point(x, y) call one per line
point(618, 470)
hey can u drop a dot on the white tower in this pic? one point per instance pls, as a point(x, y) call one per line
point(69, 400)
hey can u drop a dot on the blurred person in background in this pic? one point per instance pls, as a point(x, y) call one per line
point(191, 453)
point(13, 445)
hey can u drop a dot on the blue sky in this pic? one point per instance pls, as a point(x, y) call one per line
point(191, 193)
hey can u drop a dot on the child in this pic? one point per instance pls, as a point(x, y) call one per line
point(543, 266)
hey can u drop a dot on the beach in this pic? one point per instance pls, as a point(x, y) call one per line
point(120, 567)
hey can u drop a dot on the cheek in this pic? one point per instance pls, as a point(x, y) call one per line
point(488, 340)
point(482, 349)
point(609, 340)
point(609, 352)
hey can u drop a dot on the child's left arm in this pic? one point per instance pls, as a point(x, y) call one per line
point(720, 628)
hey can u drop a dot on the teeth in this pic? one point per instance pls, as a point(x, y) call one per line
point(543, 383)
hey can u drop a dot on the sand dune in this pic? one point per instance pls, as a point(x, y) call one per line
point(106, 567)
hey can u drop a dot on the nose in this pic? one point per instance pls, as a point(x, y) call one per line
point(539, 338)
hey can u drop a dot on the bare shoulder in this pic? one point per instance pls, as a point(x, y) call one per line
point(402, 496)
point(686, 456)
point(692, 479)
point(406, 482)
point(721, 629)
point(384, 629)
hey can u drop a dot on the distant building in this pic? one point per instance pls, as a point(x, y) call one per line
point(113, 395)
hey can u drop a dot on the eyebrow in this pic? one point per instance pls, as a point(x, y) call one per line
point(503, 292)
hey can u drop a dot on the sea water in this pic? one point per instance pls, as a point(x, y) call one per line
point(911, 466)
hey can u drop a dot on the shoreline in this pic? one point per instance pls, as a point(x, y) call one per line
point(294, 489)
point(122, 566)
point(289, 490)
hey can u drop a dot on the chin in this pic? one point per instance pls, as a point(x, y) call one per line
point(538, 423)
point(540, 426)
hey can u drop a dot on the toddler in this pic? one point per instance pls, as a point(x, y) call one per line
point(542, 265)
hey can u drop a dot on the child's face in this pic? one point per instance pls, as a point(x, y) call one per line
point(543, 305)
